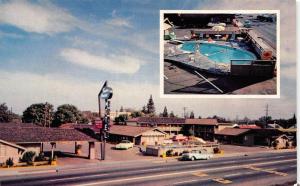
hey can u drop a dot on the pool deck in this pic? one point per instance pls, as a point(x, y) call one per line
point(180, 80)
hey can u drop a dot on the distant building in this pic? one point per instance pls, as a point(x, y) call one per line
point(115, 114)
point(137, 135)
point(204, 128)
point(250, 136)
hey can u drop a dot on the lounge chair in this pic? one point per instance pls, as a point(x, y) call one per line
point(225, 38)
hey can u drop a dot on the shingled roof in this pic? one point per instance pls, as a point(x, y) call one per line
point(203, 121)
point(131, 131)
point(41, 134)
point(161, 120)
point(232, 131)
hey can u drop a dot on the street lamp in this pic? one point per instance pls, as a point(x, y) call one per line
point(105, 94)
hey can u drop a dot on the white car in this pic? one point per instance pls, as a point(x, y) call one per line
point(196, 155)
point(124, 145)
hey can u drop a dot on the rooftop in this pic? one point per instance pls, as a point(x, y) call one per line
point(161, 120)
point(41, 134)
point(232, 131)
point(131, 131)
point(201, 121)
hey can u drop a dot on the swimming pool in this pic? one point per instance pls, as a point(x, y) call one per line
point(220, 53)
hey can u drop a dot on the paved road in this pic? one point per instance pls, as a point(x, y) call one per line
point(261, 169)
point(267, 30)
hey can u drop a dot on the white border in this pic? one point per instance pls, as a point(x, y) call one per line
point(161, 89)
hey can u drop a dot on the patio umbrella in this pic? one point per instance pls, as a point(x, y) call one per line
point(218, 28)
point(167, 26)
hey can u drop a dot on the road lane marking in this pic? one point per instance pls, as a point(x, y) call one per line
point(175, 173)
point(272, 171)
point(200, 174)
point(37, 172)
point(222, 180)
point(188, 181)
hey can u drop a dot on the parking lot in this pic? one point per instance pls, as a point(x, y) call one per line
point(133, 154)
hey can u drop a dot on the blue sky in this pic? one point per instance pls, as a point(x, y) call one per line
point(61, 51)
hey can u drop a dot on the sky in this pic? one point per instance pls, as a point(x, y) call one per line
point(62, 51)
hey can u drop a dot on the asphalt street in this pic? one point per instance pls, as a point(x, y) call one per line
point(260, 169)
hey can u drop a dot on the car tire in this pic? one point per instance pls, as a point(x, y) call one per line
point(193, 158)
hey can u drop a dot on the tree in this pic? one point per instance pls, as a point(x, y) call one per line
point(192, 116)
point(263, 121)
point(150, 106)
point(165, 112)
point(172, 114)
point(5, 114)
point(121, 119)
point(144, 109)
point(39, 113)
point(67, 114)
point(136, 114)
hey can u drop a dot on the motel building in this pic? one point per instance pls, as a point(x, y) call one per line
point(16, 139)
point(137, 135)
point(203, 128)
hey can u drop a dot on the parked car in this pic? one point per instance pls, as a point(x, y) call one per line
point(247, 23)
point(124, 145)
point(196, 155)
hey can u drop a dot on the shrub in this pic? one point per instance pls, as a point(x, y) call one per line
point(216, 150)
point(10, 162)
point(28, 157)
point(40, 157)
point(169, 153)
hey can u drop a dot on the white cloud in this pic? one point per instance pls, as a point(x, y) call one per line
point(60, 89)
point(126, 64)
point(37, 18)
point(119, 22)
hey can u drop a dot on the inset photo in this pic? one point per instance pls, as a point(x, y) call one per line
point(219, 54)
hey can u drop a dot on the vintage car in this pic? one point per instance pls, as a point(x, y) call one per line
point(196, 155)
point(124, 145)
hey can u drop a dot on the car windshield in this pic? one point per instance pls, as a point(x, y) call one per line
point(125, 141)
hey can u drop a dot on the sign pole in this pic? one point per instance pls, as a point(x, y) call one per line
point(106, 94)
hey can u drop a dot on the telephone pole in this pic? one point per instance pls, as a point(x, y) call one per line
point(184, 114)
point(267, 115)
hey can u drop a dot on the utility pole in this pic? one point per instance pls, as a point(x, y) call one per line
point(184, 109)
point(267, 115)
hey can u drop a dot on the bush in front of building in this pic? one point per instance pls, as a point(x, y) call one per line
point(9, 162)
point(40, 157)
point(28, 157)
point(217, 150)
point(169, 153)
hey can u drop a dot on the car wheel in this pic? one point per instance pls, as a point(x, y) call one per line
point(193, 158)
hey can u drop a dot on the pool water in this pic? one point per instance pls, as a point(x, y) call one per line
point(220, 53)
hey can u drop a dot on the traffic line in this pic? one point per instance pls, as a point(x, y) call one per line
point(272, 171)
point(200, 174)
point(174, 174)
point(222, 180)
